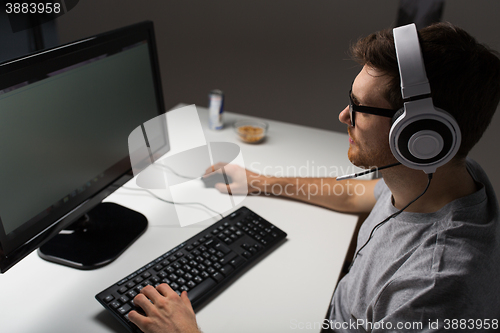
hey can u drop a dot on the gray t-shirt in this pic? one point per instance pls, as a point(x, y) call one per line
point(425, 272)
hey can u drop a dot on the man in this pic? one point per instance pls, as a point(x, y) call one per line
point(435, 265)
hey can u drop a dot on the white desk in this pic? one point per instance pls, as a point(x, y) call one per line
point(292, 285)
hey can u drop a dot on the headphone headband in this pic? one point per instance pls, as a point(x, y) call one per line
point(414, 80)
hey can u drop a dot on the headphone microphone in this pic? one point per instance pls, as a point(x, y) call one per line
point(354, 175)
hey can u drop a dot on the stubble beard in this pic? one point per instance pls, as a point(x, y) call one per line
point(366, 157)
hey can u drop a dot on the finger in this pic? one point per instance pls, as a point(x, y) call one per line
point(143, 302)
point(215, 168)
point(187, 302)
point(211, 169)
point(212, 173)
point(166, 291)
point(138, 319)
point(151, 293)
point(208, 171)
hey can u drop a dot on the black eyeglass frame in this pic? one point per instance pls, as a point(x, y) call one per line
point(353, 108)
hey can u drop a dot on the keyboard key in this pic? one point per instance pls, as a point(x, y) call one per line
point(237, 261)
point(115, 304)
point(227, 269)
point(124, 309)
point(108, 298)
point(227, 258)
point(122, 282)
point(223, 248)
point(218, 276)
point(124, 299)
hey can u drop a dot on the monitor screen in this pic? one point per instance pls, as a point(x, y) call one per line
point(65, 117)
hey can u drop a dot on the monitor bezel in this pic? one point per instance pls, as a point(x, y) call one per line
point(28, 237)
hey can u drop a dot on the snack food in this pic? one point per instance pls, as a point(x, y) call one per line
point(250, 131)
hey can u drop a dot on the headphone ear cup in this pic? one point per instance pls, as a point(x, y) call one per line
point(397, 115)
point(427, 139)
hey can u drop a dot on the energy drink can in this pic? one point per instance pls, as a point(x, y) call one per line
point(215, 109)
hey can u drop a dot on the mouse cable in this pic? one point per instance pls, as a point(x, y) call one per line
point(173, 171)
point(429, 178)
point(171, 202)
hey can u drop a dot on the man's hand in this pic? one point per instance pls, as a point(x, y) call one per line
point(165, 311)
point(241, 178)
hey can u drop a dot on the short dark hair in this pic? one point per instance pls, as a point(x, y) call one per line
point(464, 75)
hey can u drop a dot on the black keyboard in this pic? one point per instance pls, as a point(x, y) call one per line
point(202, 265)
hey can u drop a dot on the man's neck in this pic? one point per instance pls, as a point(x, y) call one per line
point(449, 182)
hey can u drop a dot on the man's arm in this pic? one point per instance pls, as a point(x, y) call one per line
point(352, 196)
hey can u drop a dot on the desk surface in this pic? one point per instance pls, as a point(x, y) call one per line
point(291, 286)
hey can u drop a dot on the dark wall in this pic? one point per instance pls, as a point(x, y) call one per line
point(276, 59)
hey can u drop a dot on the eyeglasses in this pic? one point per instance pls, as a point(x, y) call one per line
point(353, 108)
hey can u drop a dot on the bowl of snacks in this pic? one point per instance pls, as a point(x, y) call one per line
point(250, 131)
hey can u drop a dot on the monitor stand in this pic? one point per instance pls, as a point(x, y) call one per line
point(97, 238)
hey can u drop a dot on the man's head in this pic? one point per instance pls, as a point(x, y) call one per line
point(464, 77)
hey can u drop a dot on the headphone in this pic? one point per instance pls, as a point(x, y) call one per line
point(422, 136)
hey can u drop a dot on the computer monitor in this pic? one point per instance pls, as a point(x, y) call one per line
point(65, 117)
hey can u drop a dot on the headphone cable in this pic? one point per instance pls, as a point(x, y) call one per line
point(429, 178)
